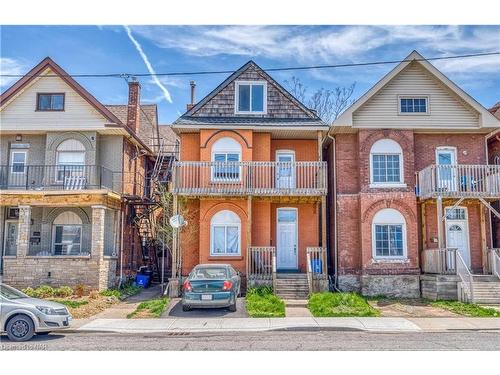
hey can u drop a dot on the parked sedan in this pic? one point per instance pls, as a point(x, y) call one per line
point(211, 285)
point(22, 316)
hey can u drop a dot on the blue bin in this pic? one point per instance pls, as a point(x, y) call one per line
point(316, 265)
point(143, 280)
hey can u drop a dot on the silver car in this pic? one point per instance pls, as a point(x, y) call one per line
point(22, 316)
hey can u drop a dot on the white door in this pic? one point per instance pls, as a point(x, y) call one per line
point(285, 171)
point(10, 242)
point(286, 234)
point(456, 237)
point(447, 175)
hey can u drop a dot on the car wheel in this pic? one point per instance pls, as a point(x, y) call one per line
point(43, 333)
point(186, 308)
point(20, 328)
point(232, 307)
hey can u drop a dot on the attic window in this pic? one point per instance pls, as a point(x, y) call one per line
point(250, 97)
point(413, 105)
point(50, 102)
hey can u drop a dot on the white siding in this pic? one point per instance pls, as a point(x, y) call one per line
point(446, 108)
point(21, 114)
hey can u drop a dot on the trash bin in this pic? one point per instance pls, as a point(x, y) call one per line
point(316, 265)
point(142, 280)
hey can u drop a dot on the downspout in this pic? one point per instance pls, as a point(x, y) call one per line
point(122, 216)
point(335, 248)
point(490, 224)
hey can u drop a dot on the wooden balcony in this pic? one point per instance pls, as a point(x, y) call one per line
point(459, 181)
point(250, 178)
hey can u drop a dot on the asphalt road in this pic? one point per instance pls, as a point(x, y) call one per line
point(275, 340)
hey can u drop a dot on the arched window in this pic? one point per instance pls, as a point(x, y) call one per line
point(386, 163)
point(67, 234)
point(70, 159)
point(226, 155)
point(225, 233)
point(389, 234)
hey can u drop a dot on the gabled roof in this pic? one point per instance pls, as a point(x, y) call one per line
point(495, 110)
point(189, 115)
point(39, 69)
point(487, 119)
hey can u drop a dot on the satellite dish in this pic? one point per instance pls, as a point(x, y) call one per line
point(177, 221)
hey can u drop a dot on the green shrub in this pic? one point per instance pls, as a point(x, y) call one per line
point(29, 291)
point(340, 304)
point(126, 291)
point(63, 291)
point(262, 303)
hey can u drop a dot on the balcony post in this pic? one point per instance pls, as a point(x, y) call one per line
point(23, 231)
point(249, 223)
point(439, 203)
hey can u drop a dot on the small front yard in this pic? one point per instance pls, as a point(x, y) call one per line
point(340, 304)
point(467, 309)
point(80, 301)
point(152, 308)
point(262, 303)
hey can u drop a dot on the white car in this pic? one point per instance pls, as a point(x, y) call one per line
point(22, 316)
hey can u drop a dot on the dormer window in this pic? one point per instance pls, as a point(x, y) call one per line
point(250, 97)
point(50, 102)
point(413, 105)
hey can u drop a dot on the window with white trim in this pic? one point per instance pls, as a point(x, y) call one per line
point(18, 160)
point(226, 155)
point(386, 163)
point(411, 105)
point(389, 234)
point(225, 234)
point(67, 234)
point(250, 97)
point(70, 159)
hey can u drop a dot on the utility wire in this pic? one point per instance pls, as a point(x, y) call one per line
point(310, 67)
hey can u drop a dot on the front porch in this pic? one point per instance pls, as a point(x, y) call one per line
point(60, 245)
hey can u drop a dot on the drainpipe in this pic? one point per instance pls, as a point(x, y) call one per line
point(490, 224)
point(122, 217)
point(335, 248)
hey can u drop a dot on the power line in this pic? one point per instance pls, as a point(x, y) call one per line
point(310, 67)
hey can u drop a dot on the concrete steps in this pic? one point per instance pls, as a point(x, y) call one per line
point(293, 286)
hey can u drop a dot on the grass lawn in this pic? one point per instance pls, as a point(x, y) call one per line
point(122, 293)
point(467, 309)
point(340, 304)
point(74, 304)
point(262, 303)
point(152, 308)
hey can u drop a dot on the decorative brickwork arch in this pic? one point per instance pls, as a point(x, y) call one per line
point(71, 135)
point(395, 135)
point(229, 133)
point(52, 215)
point(224, 206)
point(396, 204)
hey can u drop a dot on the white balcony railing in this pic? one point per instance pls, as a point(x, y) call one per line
point(250, 178)
point(459, 181)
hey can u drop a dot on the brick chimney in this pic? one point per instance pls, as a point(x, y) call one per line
point(134, 102)
point(193, 87)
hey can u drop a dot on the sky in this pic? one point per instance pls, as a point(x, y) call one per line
point(160, 49)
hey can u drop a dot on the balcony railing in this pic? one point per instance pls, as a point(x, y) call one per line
point(250, 178)
point(440, 261)
point(69, 178)
point(459, 181)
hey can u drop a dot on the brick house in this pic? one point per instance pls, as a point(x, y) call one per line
point(71, 171)
point(409, 154)
point(250, 181)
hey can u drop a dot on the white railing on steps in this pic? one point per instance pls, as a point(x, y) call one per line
point(495, 262)
point(466, 280)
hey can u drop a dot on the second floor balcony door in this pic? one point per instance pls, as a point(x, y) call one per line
point(446, 173)
point(285, 170)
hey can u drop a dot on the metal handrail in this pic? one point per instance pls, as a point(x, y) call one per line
point(465, 276)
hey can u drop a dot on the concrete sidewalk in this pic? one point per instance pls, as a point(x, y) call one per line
point(307, 323)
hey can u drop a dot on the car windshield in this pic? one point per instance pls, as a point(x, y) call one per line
point(209, 273)
point(11, 293)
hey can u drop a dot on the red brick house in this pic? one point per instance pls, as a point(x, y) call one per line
point(251, 183)
point(410, 188)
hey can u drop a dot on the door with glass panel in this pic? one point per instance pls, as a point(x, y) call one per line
point(17, 169)
point(10, 241)
point(285, 170)
point(286, 249)
point(457, 234)
point(446, 172)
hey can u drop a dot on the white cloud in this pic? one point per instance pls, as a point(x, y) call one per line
point(10, 66)
point(150, 68)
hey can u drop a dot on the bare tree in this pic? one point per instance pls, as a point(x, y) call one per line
point(328, 104)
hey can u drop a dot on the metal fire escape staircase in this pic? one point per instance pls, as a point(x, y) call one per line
point(149, 215)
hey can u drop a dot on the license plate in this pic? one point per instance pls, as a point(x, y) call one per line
point(206, 297)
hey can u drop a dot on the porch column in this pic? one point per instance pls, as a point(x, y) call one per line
point(98, 229)
point(484, 246)
point(23, 231)
point(439, 204)
point(249, 224)
point(323, 222)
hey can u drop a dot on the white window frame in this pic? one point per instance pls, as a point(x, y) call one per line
point(56, 224)
point(390, 221)
point(293, 168)
point(59, 152)
point(225, 225)
point(237, 97)
point(226, 150)
point(15, 151)
point(401, 183)
point(427, 105)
